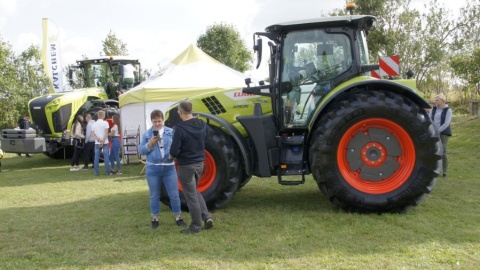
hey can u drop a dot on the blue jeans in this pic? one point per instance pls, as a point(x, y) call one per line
point(106, 158)
point(115, 154)
point(156, 175)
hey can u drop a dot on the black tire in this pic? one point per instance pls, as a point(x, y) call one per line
point(222, 173)
point(403, 159)
point(62, 153)
point(244, 180)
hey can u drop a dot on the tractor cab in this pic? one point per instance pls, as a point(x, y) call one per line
point(308, 59)
point(115, 74)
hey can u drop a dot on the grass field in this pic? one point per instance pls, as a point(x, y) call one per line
point(51, 218)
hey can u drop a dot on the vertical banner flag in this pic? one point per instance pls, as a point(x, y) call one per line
point(52, 62)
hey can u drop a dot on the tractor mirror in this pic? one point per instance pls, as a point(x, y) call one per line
point(121, 70)
point(70, 76)
point(257, 47)
point(324, 49)
point(285, 87)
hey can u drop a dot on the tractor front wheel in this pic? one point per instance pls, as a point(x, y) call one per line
point(375, 151)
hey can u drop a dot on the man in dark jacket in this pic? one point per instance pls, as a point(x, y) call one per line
point(188, 148)
point(24, 123)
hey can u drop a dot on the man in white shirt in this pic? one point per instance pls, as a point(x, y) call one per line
point(128, 76)
point(100, 135)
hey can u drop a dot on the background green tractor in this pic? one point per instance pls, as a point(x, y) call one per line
point(99, 82)
point(368, 143)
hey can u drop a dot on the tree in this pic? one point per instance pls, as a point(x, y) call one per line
point(467, 68)
point(112, 45)
point(422, 38)
point(21, 79)
point(465, 60)
point(223, 42)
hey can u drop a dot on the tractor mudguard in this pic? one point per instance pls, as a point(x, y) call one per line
point(347, 88)
point(242, 145)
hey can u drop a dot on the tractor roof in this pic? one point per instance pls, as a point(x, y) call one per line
point(109, 58)
point(356, 21)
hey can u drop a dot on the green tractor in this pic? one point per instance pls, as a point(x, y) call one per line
point(101, 81)
point(368, 143)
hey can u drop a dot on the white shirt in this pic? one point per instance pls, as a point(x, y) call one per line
point(128, 71)
point(100, 129)
point(115, 131)
point(160, 143)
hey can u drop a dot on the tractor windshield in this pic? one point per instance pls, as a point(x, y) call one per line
point(98, 74)
point(116, 76)
point(311, 60)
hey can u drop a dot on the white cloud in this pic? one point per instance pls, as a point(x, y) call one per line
point(7, 9)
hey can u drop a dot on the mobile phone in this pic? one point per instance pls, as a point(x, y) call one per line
point(155, 133)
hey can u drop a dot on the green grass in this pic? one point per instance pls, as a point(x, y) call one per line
point(51, 218)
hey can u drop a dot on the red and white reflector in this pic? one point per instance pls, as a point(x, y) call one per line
point(375, 74)
point(389, 65)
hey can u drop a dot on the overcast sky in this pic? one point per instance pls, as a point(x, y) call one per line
point(155, 31)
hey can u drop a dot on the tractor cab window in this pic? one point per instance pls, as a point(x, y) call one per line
point(311, 60)
point(364, 58)
point(98, 75)
point(130, 76)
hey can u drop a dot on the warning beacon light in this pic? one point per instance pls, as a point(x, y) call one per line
point(350, 7)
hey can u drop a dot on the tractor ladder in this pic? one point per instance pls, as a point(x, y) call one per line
point(291, 160)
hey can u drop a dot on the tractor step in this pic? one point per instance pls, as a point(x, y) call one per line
point(291, 161)
point(288, 182)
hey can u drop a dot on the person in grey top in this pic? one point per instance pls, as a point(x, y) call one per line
point(441, 116)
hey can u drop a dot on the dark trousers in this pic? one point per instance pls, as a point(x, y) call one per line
point(189, 175)
point(76, 155)
point(88, 152)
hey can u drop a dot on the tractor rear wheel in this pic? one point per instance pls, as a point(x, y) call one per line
point(221, 174)
point(375, 151)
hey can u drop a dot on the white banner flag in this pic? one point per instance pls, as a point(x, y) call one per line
point(52, 62)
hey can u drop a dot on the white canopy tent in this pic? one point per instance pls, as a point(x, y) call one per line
point(190, 73)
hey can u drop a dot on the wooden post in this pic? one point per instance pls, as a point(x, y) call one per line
point(475, 107)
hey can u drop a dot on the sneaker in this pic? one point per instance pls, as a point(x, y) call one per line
point(189, 231)
point(27, 155)
point(84, 168)
point(180, 222)
point(444, 175)
point(154, 224)
point(208, 224)
point(119, 173)
point(72, 169)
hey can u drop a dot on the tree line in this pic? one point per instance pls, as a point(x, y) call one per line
point(441, 49)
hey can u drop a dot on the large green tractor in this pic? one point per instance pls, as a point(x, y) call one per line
point(99, 82)
point(368, 142)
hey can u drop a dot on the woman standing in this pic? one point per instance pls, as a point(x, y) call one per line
point(115, 151)
point(160, 168)
point(441, 116)
point(78, 136)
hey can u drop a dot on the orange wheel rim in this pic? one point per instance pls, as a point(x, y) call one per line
point(208, 176)
point(376, 156)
